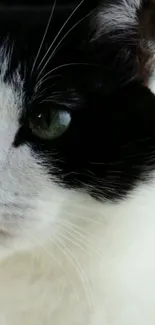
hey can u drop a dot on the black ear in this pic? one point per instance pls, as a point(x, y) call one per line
point(123, 37)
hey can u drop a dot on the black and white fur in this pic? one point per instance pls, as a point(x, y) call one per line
point(77, 214)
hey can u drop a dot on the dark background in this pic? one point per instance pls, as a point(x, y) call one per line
point(34, 2)
point(9, 7)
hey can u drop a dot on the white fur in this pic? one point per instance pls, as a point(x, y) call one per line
point(117, 16)
point(105, 275)
point(66, 259)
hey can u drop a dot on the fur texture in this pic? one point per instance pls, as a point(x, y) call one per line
point(121, 15)
point(77, 226)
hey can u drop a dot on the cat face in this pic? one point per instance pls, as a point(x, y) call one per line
point(73, 131)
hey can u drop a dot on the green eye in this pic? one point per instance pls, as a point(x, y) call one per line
point(50, 124)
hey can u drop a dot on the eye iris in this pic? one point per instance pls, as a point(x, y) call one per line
point(41, 121)
point(50, 124)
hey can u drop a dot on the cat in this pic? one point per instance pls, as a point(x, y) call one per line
point(77, 161)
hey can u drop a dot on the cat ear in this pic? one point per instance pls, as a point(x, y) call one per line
point(117, 15)
point(126, 28)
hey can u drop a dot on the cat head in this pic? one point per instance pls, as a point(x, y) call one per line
point(76, 121)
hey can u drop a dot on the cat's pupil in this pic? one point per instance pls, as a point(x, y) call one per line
point(42, 120)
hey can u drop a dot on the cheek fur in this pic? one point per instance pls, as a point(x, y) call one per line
point(77, 213)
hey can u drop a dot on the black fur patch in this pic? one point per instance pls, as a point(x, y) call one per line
point(110, 143)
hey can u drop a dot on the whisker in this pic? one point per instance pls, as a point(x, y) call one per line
point(97, 222)
point(62, 66)
point(70, 30)
point(54, 93)
point(79, 228)
point(53, 257)
point(79, 270)
point(52, 100)
point(38, 93)
point(96, 251)
point(54, 97)
point(78, 233)
point(44, 36)
point(59, 32)
point(73, 241)
point(60, 42)
point(46, 79)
